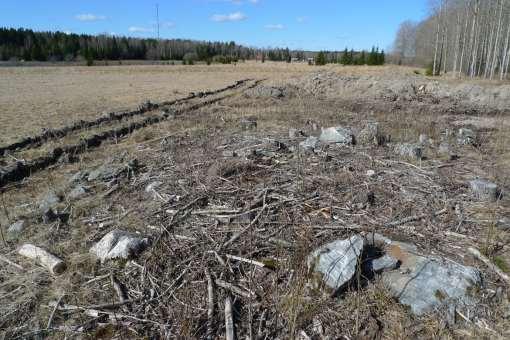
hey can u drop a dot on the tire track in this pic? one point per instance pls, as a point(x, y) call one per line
point(54, 134)
point(19, 171)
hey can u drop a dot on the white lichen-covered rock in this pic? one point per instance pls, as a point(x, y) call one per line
point(337, 261)
point(336, 135)
point(410, 151)
point(119, 244)
point(484, 190)
point(49, 200)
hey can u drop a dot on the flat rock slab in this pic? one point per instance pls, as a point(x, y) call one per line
point(337, 135)
point(104, 172)
point(337, 261)
point(119, 244)
point(427, 283)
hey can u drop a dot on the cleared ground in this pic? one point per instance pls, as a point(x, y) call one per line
point(202, 178)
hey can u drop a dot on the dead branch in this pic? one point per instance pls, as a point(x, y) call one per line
point(476, 253)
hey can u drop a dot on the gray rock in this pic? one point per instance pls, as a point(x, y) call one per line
point(421, 282)
point(77, 192)
point(309, 144)
point(228, 153)
point(248, 123)
point(295, 133)
point(466, 137)
point(336, 135)
point(427, 283)
point(384, 263)
point(411, 151)
point(503, 223)
point(424, 140)
point(16, 228)
point(370, 135)
point(78, 177)
point(153, 186)
point(370, 173)
point(119, 244)
point(337, 261)
point(49, 200)
point(484, 190)
point(105, 172)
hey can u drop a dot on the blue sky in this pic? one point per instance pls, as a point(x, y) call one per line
point(313, 25)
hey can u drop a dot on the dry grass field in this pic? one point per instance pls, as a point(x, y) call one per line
point(32, 98)
point(232, 209)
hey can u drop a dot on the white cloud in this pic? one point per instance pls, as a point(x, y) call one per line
point(138, 29)
point(274, 27)
point(89, 17)
point(237, 16)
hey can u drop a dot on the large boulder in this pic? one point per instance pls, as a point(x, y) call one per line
point(336, 135)
point(337, 261)
point(426, 283)
point(119, 244)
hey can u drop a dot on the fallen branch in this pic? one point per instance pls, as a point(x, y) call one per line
point(6, 260)
point(235, 289)
point(242, 259)
point(210, 305)
point(414, 218)
point(476, 253)
point(229, 320)
point(49, 261)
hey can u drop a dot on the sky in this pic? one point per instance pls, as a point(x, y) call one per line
point(307, 25)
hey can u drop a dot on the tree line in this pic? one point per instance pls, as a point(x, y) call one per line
point(374, 57)
point(470, 37)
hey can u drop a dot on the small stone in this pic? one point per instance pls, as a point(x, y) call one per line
point(411, 151)
point(466, 137)
point(309, 144)
point(228, 153)
point(295, 133)
point(384, 263)
point(248, 123)
point(152, 186)
point(337, 261)
point(370, 173)
point(503, 223)
point(119, 244)
point(78, 192)
point(49, 200)
point(336, 135)
point(484, 190)
point(16, 228)
point(424, 140)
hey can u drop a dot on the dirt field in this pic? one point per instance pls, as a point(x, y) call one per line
point(230, 194)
